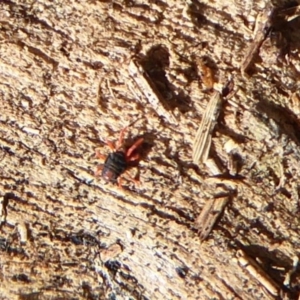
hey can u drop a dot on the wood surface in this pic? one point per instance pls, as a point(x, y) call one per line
point(65, 89)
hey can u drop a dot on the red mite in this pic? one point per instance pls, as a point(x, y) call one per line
point(117, 162)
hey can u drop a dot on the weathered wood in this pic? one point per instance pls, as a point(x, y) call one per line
point(65, 89)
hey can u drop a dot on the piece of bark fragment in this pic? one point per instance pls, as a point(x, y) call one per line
point(203, 137)
point(209, 215)
point(147, 87)
point(257, 272)
point(262, 27)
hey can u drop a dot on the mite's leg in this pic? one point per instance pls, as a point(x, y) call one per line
point(134, 146)
point(120, 181)
point(98, 170)
point(111, 145)
point(134, 180)
point(99, 155)
point(134, 157)
point(120, 141)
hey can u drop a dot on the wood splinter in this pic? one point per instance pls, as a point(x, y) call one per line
point(262, 27)
point(203, 137)
point(209, 215)
point(257, 272)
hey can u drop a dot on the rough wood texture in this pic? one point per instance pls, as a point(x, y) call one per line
point(65, 89)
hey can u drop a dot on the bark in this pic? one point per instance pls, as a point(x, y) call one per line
point(66, 89)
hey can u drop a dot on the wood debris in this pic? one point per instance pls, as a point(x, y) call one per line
point(290, 13)
point(295, 104)
point(231, 149)
point(209, 215)
point(213, 167)
point(30, 130)
point(23, 232)
point(262, 27)
point(207, 74)
point(3, 211)
point(203, 137)
point(147, 87)
point(257, 272)
point(111, 252)
point(288, 276)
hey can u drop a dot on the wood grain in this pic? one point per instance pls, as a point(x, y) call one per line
point(65, 89)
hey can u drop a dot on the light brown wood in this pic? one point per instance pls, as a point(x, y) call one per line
point(65, 89)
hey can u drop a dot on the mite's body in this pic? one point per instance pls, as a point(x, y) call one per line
point(117, 162)
point(114, 165)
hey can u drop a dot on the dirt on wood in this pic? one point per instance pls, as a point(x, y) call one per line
point(65, 89)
